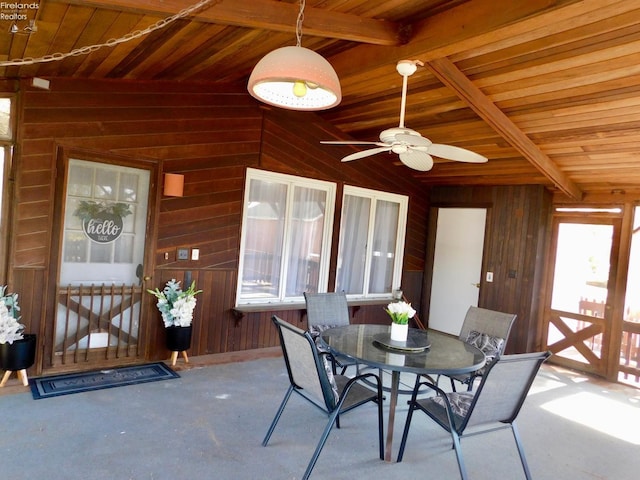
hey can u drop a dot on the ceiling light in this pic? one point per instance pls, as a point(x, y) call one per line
point(295, 77)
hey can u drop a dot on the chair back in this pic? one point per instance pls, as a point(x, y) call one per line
point(306, 370)
point(489, 322)
point(327, 309)
point(503, 389)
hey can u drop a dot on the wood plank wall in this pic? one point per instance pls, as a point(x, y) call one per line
point(211, 134)
point(517, 222)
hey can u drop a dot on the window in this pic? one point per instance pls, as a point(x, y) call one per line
point(286, 238)
point(372, 234)
point(6, 140)
point(104, 222)
point(6, 119)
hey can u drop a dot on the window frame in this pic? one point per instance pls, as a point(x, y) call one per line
point(374, 196)
point(291, 181)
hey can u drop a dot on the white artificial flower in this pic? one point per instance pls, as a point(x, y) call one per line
point(10, 328)
point(400, 312)
point(176, 306)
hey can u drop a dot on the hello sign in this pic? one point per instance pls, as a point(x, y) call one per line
point(102, 223)
point(103, 228)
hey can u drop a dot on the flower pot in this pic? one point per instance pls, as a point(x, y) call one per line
point(178, 338)
point(399, 332)
point(18, 355)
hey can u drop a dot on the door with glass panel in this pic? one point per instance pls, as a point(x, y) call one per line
point(101, 263)
point(578, 313)
point(629, 358)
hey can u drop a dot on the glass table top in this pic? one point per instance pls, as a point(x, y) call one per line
point(446, 354)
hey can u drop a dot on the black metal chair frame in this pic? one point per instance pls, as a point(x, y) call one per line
point(318, 389)
point(506, 384)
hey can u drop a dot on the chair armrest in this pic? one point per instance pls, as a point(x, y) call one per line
point(439, 392)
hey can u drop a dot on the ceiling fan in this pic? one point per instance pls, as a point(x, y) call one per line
point(414, 150)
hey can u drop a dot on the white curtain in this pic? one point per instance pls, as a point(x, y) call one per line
point(385, 234)
point(264, 238)
point(353, 244)
point(305, 241)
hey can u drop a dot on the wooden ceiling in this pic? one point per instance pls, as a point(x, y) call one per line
point(549, 91)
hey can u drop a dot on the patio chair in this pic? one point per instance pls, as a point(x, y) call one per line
point(310, 376)
point(489, 331)
point(494, 406)
point(326, 310)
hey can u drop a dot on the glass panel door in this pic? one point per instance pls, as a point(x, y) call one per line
point(629, 368)
point(578, 316)
point(100, 278)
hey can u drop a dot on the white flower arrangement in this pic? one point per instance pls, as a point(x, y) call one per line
point(400, 312)
point(10, 329)
point(175, 305)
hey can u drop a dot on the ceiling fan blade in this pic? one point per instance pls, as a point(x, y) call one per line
point(366, 153)
point(458, 154)
point(414, 140)
point(345, 142)
point(417, 160)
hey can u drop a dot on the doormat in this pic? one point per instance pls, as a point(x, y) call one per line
point(66, 384)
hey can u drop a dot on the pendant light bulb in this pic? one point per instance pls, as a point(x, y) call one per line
point(299, 88)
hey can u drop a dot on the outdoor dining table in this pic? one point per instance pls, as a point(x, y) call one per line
point(426, 352)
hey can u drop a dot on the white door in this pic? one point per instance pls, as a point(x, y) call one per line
point(457, 266)
point(100, 281)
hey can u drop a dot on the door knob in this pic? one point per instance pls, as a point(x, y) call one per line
point(477, 285)
point(147, 278)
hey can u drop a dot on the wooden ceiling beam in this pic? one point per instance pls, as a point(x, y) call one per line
point(472, 24)
point(451, 76)
point(267, 15)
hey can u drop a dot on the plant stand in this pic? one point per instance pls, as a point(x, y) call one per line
point(17, 357)
point(174, 357)
point(178, 341)
point(22, 375)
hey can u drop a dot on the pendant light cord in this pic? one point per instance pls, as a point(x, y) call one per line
point(115, 41)
point(299, 24)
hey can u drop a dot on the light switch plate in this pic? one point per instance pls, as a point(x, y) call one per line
point(195, 254)
point(183, 254)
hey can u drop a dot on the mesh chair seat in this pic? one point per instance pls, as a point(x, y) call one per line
point(489, 331)
point(493, 406)
point(327, 310)
point(312, 378)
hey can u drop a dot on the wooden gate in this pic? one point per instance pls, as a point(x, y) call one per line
point(97, 324)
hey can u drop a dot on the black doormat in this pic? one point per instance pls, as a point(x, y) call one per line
point(66, 384)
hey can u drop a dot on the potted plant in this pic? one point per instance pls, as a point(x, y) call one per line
point(176, 307)
point(17, 349)
point(400, 313)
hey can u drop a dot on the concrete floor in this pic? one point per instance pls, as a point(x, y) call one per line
point(209, 424)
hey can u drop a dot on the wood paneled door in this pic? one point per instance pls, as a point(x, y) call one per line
point(103, 233)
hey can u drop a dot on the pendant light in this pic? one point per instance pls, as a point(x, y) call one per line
point(295, 77)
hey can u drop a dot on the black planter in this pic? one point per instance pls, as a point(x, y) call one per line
point(178, 338)
point(18, 355)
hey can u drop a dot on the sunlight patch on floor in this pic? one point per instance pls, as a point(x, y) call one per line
point(607, 416)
